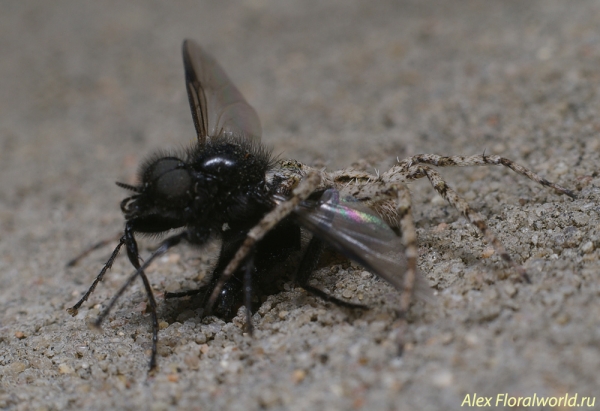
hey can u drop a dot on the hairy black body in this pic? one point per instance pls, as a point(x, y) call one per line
point(218, 189)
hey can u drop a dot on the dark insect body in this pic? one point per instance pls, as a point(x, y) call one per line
point(228, 186)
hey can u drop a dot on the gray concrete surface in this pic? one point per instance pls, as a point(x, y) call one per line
point(88, 89)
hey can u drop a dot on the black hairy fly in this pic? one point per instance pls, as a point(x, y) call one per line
point(228, 186)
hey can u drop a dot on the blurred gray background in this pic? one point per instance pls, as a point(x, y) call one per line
point(88, 89)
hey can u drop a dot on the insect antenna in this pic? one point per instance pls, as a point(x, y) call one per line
point(129, 187)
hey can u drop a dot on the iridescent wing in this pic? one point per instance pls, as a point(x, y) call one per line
point(218, 108)
point(353, 229)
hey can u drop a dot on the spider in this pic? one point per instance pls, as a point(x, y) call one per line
point(228, 186)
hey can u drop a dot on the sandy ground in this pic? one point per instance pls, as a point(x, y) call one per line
point(88, 89)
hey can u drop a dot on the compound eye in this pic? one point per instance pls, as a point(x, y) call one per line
point(168, 178)
point(160, 167)
point(174, 183)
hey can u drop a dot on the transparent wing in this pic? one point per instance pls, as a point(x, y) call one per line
point(354, 230)
point(218, 108)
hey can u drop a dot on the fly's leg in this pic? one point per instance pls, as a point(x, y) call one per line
point(73, 310)
point(248, 293)
point(93, 247)
point(307, 267)
point(187, 293)
point(270, 220)
point(132, 252)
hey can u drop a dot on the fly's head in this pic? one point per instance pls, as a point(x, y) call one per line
point(165, 189)
point(201, 189)
point(163, 198)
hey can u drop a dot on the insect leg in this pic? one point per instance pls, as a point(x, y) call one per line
point(481, 160)
point(409, 239)
point(248, 293)
point(309, 261)
point(307, 266)
point(93, 247)
point(99, 277)
point(419, 171)
point(270, 220)
point(180, 294)
point(133, 255)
